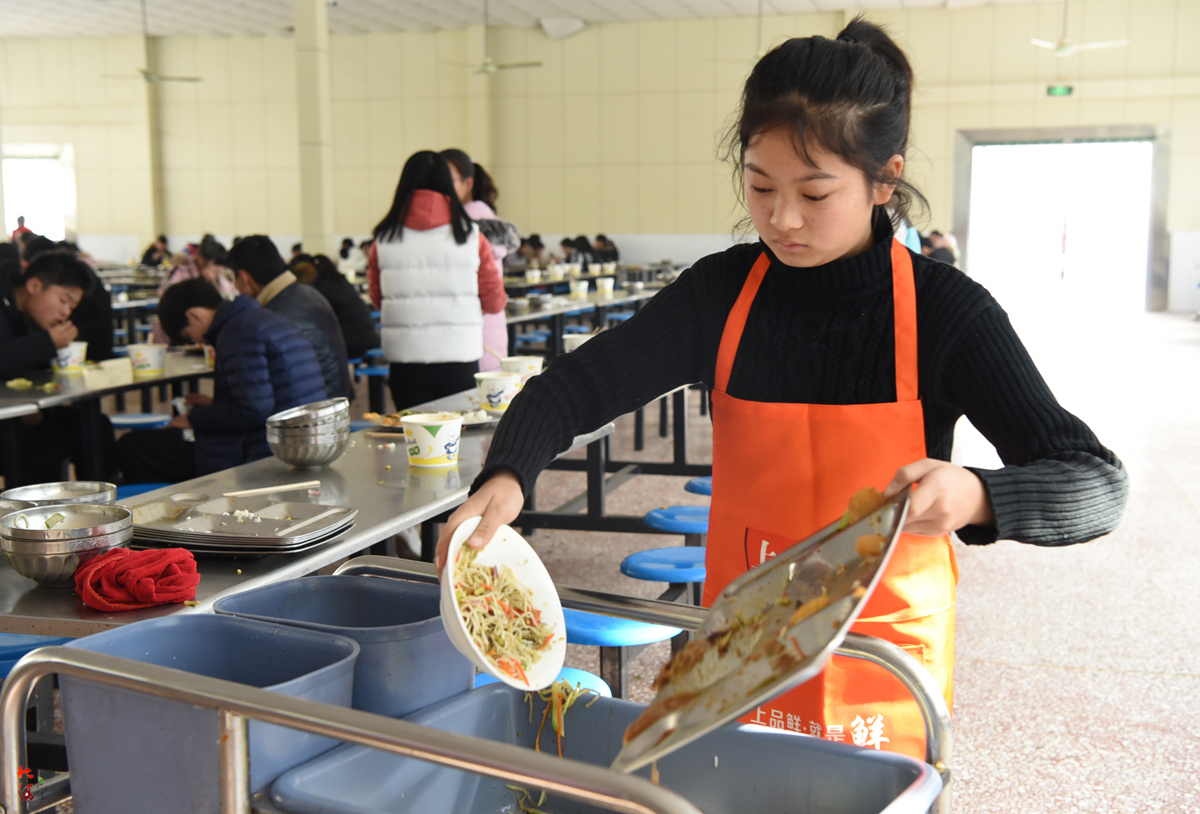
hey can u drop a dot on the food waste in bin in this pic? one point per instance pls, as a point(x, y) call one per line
point(770, 630)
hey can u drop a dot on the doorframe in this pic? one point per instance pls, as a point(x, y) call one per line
point(64, 154)
point(1157, 265)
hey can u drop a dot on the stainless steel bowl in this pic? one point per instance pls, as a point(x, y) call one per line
point(75, 521)
point(53, 564)
point(7, 506)
point(321, 438)
point(342, 424)
point(301, 454)
point(77, 491)
point(315, 414)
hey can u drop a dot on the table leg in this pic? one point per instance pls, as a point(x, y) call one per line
point(680, 402)
point(194, 385)
point(596, 473)
point(9, 465)
point(147, 400)
point(512, 339)
point(639, 429)
point(375, 394)
point(555, 346)
point(91, 452)
point(662, 418)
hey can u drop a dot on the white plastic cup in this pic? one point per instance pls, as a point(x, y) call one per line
point(432, 438)
point(604, 285)
point(575, 268)
point(533, 276)
point(523, 366)
point(556, 273)
point(609, 267)
point(579, 289)
point(573, 341)
point(148, 360)
point(70, 358)
point(496, 390)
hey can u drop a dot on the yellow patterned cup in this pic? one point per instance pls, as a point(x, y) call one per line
point(432, 438)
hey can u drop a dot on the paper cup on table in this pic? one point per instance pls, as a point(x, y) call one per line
point(507, 548)
point(604, 285)
point(70, 358)
point(575, 268)
point(523, 366)
point(556, 273)
point(579, 289)
point(432, 438)
point(572, 341)
point(496, 390)
point(210, 357)
point(148, 360)
point(609, 267)
point(533, 276)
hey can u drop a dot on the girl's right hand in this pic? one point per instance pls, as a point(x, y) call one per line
point(498, 501)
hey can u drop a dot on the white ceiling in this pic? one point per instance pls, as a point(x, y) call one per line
point(106, 18)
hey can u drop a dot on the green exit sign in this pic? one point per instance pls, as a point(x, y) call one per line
point(1059, 90)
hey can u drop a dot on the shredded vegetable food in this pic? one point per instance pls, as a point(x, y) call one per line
point(559, 696)
point(498, 613)
point(525, 800)
point(54, 519)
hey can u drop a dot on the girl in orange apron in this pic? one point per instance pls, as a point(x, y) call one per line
point(820, 145)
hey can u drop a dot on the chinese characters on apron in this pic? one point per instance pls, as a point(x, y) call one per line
point(782, 471)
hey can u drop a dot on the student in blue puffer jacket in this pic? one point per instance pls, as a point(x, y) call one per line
point(264, 365)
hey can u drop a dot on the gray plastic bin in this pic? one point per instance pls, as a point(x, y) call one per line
point(730, 771)
point(131, 752)
point(407, 661)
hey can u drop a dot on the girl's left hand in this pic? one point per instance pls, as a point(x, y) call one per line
point(946, 498)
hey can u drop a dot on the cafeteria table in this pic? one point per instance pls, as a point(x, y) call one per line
point(597, 303)
point(127, 312)
point(373, 476)
point(85, 390)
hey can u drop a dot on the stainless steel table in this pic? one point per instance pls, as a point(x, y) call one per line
point(86, 390)
point(389, 501)
point(597, 303)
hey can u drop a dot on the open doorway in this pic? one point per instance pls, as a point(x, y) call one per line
point(39, 185)
point(1062, 228)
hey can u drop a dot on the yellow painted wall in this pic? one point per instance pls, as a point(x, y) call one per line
point(54, 92)
point(617, 132)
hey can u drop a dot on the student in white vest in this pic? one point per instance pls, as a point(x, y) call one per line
point(432, 275)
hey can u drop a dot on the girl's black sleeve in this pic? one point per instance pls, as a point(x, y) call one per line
point(614, 373)
point(1059, 485)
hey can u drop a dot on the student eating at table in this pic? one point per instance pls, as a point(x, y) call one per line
point(264, 364)
point(36, 322)
point(837, 359)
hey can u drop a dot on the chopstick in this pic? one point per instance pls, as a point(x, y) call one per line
point(303, 523)
point(266, 490)
point(489, 349)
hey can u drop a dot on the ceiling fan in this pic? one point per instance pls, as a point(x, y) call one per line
point(489, 65)
point(146, 74)
point(1064, 48)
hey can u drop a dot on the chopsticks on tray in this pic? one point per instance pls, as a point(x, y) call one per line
point(283, 487)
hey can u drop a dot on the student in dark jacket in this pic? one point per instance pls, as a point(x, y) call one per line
point(353, 313)
point(35, 321)
point(261, 273)
point(94, 315)
point(264, 365)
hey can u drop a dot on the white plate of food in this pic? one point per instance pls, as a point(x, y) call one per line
point(391, 423)
point(501, 609)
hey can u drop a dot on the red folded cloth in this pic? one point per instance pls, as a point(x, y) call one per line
point(121, 579)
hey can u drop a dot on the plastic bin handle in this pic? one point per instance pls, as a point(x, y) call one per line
point(235, 703)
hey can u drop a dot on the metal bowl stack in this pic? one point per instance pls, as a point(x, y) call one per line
point(47, 543)
point(312, 434)
point(76, 491)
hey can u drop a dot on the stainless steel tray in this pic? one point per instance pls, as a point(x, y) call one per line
point(188, 519)
point(769, 631)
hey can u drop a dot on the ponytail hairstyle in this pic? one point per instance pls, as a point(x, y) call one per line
point(851, 96)
point(485, 188)
point(423, 170)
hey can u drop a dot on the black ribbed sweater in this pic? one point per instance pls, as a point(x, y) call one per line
point(824, 335)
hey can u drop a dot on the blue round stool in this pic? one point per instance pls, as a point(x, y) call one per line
point(140, 421)
point(576, 329)
point(619, 640)
point(373, 353)
point(131, 489)
point(14, 645)
point(574, 677)
point(619, 316)
point(699, 486)
point(686, 520)
point(120, 350)
point(675, 564)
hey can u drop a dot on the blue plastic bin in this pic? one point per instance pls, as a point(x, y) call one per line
point(407, 661)
point(131, 752)
point(730, 771)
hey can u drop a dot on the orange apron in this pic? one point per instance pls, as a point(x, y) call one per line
point(783, 471)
